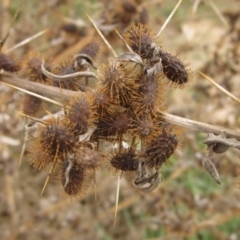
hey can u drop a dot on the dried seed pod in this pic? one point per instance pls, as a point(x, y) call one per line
point(54, 138)
point(143, 16)
point(144, 127)
point(119, 123)
point(211, 169)
point(102, 131)
point(31, 67)
point(85, 57)
point(148, 98)
point(123, 12)
point(147, 183)
point(220, 148)
point(7, 63)
point(81, 113)
point(125, 162)
point(113, 126)
point(91, 49)
point(38, 158)
point(161, 148)
point(139, 37)
point(174, 69)
point(102, 102)
point(69, 28)
point(116, 81)
point(220, 143)
point(31, 105)
point(88, 158)
point(75, 179)
point(129, 7)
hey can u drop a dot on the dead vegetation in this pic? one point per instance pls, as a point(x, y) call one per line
point(187, 203)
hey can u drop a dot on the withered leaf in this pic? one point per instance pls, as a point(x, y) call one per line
point(210, 167)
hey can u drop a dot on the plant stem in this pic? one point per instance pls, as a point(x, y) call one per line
point(45, 90)
point(199, 126)
point(57, 93)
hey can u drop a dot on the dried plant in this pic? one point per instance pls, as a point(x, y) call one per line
point(126, 107)
point(122, 122)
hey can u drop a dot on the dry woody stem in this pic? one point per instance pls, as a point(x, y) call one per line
point(54, 92)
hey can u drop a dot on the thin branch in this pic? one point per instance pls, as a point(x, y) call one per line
point(50, 172)
point(9, 141)
point(117, 198)
point(54, 92)
point(126, 44)
point(24, 145)
point(2, 42)
point(199, 126)
point(44, 90)
point(34, 94)
point(195, 6)
point(103, 38)
point(220, 88)
point(219, 14)
point(150, 2)
point(223, 140)
point(25, 41)
point(169, 18)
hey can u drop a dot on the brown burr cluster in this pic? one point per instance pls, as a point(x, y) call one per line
point(118, 124)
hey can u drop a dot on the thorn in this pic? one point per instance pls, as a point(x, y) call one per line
point(103, 38)
point(95, 186)
point(49, 173)
point(168, 19)
point(117, 198)
point(219, 14)
point(12, 22)
point(128, 47)
point(220, 88)
point(23, 146)
point(27, 40)
point(30, 117)
point(195, 6)
point(34, 94)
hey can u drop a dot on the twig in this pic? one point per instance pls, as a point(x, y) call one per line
point(219, 14)
point(44, 90)
point(222, 140)
point(150, 2)
point(103, 38)
point(23, 146)
point(169, 18)
point(126, 44)
point(199, 126)
point(221, 88)
point(5, 4)
point(54, 92)
point(195, 6)
point(34, 94)
point(27, 40)
point(117, 198)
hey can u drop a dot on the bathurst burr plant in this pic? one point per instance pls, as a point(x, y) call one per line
point(119, 121)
